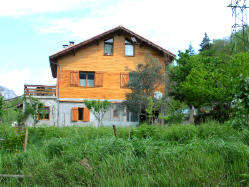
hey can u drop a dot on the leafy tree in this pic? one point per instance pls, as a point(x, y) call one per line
point(152, 108)
point(241, 118)
point(144, 82)
point(99, 108)
point(1, 107)
point(205, 44)
point(208, 81)
point(175, 112)
point(31, 107)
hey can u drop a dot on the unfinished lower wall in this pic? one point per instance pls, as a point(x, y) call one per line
point(115, 115)
point(50, 102)
point(60, 114)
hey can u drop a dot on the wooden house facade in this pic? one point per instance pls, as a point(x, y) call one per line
point(98, 69)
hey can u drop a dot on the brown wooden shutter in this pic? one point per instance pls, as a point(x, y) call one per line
point(98, 82)
point(86, 114)
point(124, 80)
point(74, 78)
point(74, 114)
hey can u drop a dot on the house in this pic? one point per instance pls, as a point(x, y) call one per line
point(95, 69)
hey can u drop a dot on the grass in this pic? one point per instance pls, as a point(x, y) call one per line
point(209, 154)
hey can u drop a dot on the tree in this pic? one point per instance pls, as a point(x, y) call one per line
point(144, 82)
point(191, 50)
point(208, 81)
point(241, 118)
point(205, 44)
point(99, 108)
point(1, 107)
point(31, 107)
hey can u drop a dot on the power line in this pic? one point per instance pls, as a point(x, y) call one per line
point(239, 13)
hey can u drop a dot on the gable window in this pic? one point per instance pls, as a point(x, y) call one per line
point(108, 47)
point(44, 114)
point(129, 48)
point(86, 79)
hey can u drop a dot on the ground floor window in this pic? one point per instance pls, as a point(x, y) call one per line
point(80, 114)
point(44, 114)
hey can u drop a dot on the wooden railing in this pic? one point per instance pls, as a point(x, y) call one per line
point(39, 90)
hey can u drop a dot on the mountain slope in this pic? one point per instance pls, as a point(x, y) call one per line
point(6, 93)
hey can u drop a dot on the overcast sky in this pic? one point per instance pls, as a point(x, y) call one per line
point(31, 30)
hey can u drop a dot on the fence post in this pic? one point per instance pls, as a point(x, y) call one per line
point(115, 130)
point(26, 140)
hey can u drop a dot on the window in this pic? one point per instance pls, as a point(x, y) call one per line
point(124, 80)
point(108, 47)
point(44, 114)
point(80, 114)
point(129, 48)
point(86, 79)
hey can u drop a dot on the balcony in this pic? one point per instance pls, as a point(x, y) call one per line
point(39, 90)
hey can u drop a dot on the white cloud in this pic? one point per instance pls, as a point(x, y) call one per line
point(25, 7)
point(171, 24)
point(15, 79)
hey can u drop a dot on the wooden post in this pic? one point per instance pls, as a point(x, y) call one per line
point(115, 130)
point(25, 140)
point(129, 132)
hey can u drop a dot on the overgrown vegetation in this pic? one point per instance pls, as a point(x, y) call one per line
point(210, 81)
point(210, 154)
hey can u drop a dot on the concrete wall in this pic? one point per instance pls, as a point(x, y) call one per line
point(53, 104)
point(115, 115)
point(60, 114)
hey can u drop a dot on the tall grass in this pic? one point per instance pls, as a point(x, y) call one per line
point(209, 154)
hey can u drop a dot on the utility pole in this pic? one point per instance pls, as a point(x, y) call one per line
point(239, 13)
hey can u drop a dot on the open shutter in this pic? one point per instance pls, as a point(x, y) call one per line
point(74, 114)
point(124, 80)
point(74, 78)
point(86, 115)
point(98, 82)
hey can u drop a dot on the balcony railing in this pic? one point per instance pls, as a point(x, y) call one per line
point(39, 90)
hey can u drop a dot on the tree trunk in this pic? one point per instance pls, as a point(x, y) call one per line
point(191, 115)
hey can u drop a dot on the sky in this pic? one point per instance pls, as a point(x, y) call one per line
point(31, 31)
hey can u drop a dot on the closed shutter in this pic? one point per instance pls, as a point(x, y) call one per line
point(98, 79)
point(86, 115)
point(74, 114)
point(124, 80)
point(74, 78)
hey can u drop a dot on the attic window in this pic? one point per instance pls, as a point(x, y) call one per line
point(108, 47)
point(129, 48)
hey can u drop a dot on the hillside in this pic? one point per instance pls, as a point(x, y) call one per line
point(7, 93)
point(181, 155)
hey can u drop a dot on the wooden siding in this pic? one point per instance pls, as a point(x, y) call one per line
point(91, 58)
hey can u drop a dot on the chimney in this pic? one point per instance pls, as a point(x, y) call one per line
point(71, 43)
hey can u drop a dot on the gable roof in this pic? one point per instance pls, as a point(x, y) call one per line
point(53, 58)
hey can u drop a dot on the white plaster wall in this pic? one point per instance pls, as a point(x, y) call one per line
point(60, 115)
point(50, 102)
point(65, 116)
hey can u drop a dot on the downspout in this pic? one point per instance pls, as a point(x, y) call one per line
point(58, 102)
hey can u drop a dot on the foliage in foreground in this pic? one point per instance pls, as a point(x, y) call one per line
point(210, 154)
